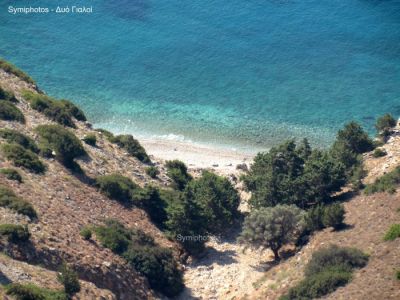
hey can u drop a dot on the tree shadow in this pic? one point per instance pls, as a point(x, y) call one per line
point(4, 279)
point(222, 258)
point(266, 265)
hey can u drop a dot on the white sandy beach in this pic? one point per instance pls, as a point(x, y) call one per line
point(222, 160)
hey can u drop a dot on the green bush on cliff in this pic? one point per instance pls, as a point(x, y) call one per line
point(9, 112)
point(393, 233)
point(106, 133)
point(132, 146)
point(60, 111)
point(157, 264)
point(9, 200)
point(7, 96)
point(379, 153)
point(15, 233)
point(384, 125)
point(69, 278)
point(117, 187)
point(13, 136)
point(152, 171)
point(10, 68)
point(33, 292)
point(386, 183)
point(63, 142)
point(90, 139)
point(177, 171)
point(21, 157)
point(11, 174)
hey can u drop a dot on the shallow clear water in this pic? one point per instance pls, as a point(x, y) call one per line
point(242, 73)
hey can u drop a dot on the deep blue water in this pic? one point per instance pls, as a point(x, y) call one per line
point(247, 73)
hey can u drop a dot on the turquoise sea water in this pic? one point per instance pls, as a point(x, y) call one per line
point(244, 73)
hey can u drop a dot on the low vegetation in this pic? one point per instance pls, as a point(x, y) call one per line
point(384, 125)
point(118, 187)
point(132, 146)
point(272, 227)
point(10, 68)
point(69, 279)
point(55, 138)
point(33, 292)
point(13, 136)
point(379, 153)
point(86, 233)
point(323, 216)
point(386, 183)
point(11, 174)
point(9, 200)
point(15, 233)
point(177, 171)
point(152, 261)
point(60, 111)
point(152, 171)
point(327, 270)
point(7, 96)
point(21, 157)
point(393, 233)
point(9, 112)
point(90, 139)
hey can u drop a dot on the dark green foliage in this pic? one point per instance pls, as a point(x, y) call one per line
point(10, 68)
point(117, 187)
point(379, 153)
point(357, 174)
point(106, 133)
point(177, 171)
point(354, 138)
point(152, 171)
point(62, 111)
point(333, 216)
point(393, 233)
point(69, 279)
point(327, 270)
point(347, 258)
point(22, 157)
point(320, 284)
point(73, 110)
point(153, 202)
point(60, 140)
point(90, 139)
point(7, 96)
point(113, 236)
point(272, 227)
point(155, 263)
point(15, 233)
point(397, 275)
point(385, 123)
point(86, 233)
point(9, 112)
point(216, 198)
point(132, 146)
point(314, 218)
point(10, 200)
point(386, 183)
point(11, 174)
point(282, 176)
point(33, 292)
point(13, 136)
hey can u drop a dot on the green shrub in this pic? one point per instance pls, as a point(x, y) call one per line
point(33, 292)
point(217, 199)
point(117, 187)
point(153, 201)
point(385, 123)
point(393, 233)
point(9, 112)
point(346, 258)
point(333, 216)
point(10, 200)
point(386, 183)
point(90, 139)
point(177, 171)
point(152, 171)
point(21, 157)
point(379, 153)
point(320, 284)
point(109, 136)
point(354, 138)
point(69, 278)
point(7, 96)
point(10, 68)
point(397, 275)
point(15, 233)
point(60, 140)
point(13, 136)
point(132, 146)
point(314, 218)
point(60, 111)
point(86, 233)
point(11, 174)
point(155, 263)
